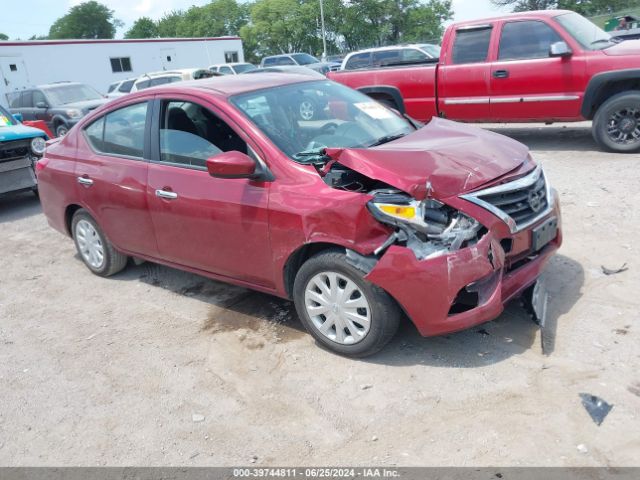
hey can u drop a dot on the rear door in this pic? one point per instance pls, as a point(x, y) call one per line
point(528, 84)
point(464, 76)
point(112, 174)
point(211, 224)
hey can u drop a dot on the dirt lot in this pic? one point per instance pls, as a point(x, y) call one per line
point(159, 367)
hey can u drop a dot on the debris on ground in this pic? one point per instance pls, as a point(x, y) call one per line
point(608, 271)
point(635, 388)
point(366, 386)
point(622, 331)
point(254, 459)
point(374, 439)
point(582, 448)
point(197, 418)
point(596, 407)
point(482, 331)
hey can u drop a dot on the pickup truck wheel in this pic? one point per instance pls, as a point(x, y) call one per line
point(94, 248)
point(62, 130)
point(616, 125)
point(340, 309)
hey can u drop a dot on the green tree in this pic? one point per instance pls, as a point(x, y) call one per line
point(86, 20)
point(3, 37)
point(144, 27)
point(584, 7)
point(168, 25)
point(215, 19)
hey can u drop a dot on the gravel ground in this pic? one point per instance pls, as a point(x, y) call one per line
point(159, 367)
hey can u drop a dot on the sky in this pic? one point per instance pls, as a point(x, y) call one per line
point(24, 18)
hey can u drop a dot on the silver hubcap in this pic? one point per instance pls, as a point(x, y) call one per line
point(306, 110)
point(624, 126)
point(89, 244)
point(337, 308)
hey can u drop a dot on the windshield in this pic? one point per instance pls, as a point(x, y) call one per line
point(244, 67)
point(587, 34)
point(304, 59)
point(6, 119)
point(433, 50)
point(304, 118)
point(64, 95)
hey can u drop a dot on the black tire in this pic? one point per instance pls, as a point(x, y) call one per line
point(385, 313)
point(113, 261)
point(621, 105)
point(61, 130)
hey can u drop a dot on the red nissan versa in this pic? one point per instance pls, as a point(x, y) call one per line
point(358, 215)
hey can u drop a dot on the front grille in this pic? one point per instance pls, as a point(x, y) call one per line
point(14, 150)
point(522, 204)
point(519, 203)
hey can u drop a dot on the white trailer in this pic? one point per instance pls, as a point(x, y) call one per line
point(101, 62)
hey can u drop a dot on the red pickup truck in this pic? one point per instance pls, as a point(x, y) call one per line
point(545, 66)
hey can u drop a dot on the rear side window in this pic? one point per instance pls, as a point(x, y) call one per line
point(120, 132)
point(126, 86)
point(143, 84)
point(411, 55)
point(387, 57)
point(39, 99)
point(359, 60)
point(27, 99)
point(526, 40)
point(269, 61)
point(285, 61)
point(225, 70)
point(471, 46)
point(112, 87)
point(14, 99)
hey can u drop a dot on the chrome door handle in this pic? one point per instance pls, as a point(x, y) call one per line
point(166, 194)
point(85, 181)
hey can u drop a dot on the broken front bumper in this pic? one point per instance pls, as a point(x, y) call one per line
point(467, 287)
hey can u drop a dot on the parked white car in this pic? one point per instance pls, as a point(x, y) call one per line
point(154, 79)
point(232, 68)
point(120, 88)
point(395, 55)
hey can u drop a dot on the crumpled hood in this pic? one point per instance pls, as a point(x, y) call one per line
point(19, 132)
point(627, 47)
point(455, 158)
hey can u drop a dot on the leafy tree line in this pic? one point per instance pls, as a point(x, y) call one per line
point(274, 26)
point(584, 7)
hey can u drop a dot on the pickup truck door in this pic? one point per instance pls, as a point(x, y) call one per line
point(464, 75)
point(527, 83)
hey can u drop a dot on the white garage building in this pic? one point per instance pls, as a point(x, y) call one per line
point(102, 62)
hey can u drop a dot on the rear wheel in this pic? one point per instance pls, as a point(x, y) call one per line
point(94, 248)
point(616, 125)
point(342, 310)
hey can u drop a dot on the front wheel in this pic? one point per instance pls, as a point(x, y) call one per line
point(616, 125)
point(96, 251)
point(62, 130)
point(340, 309)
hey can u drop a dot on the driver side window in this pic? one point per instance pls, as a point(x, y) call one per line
point(190, 134)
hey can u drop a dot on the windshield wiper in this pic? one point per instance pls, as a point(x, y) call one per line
point(386, 139)
point(600, 40)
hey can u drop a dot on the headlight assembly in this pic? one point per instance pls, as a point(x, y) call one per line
point(74, 113)
point(429, 226)
point(38, 146)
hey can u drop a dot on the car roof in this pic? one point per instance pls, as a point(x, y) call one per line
point(53, 85)
point(227, 86)
point(392, 47)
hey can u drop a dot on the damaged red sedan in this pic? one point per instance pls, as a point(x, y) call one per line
point(359, 215)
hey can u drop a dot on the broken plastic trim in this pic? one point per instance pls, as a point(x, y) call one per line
point(363, 263)
point(433, 229)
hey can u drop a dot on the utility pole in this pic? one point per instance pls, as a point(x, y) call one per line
point(324, 38)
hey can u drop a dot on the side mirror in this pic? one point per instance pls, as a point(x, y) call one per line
point(560, 49)
point(18, 117)
point(42, 105)
point(231, 164)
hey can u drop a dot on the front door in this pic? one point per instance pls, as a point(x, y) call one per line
point(210, 224)
point(111, 171)
point(464, 80)
point(524, 55)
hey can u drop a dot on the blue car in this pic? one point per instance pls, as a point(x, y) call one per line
point(20, 148)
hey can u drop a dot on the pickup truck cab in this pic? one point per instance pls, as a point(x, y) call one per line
point(543, 66)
